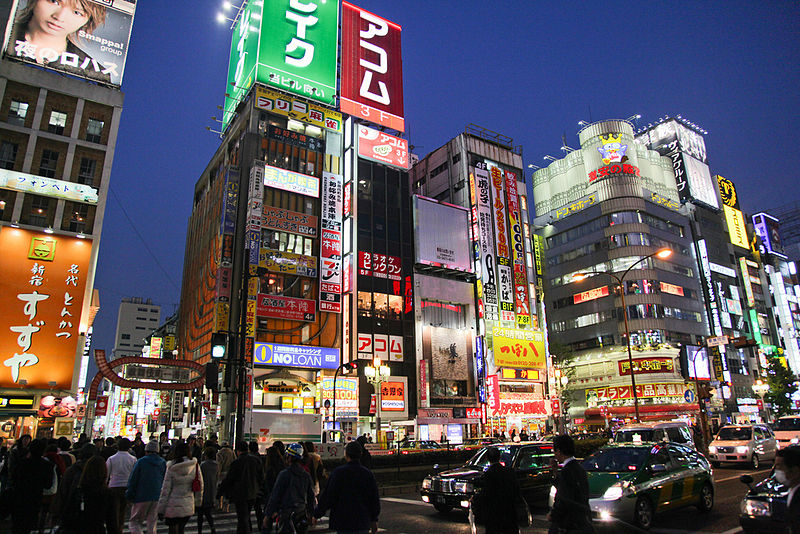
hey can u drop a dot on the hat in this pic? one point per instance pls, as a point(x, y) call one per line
point(294, 450)
point(152, 446)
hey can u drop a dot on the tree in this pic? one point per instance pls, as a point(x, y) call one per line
point(781, 382)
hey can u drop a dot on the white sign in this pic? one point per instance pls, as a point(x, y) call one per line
point(717, 341)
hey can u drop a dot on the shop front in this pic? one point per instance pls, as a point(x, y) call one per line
point(610, 406)
point(448, 425)
point(17, 416)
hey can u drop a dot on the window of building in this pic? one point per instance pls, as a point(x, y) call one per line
point(395, 307)
point(94, 130)
point(141, 309)
point(47, 167)
point(86, 171)
point(286, 242)
point(8, 155)
point(364, 304)
point(58, 121)
point(381, 305)
point(125, 336)
point(438, 170)
point(456, 158)
point(18, 112)
point(78, 221)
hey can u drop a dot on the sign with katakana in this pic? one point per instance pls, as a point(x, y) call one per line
point(520, 349)
point(330, 251)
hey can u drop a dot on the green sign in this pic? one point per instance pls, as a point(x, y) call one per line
point(756, 328)
point(288, 44)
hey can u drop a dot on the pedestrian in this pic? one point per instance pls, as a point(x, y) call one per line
point(275, 463)
point(570, 511)
point(313, 464)
point(259, 509)
point(210, 470)
point(225, 457)
point(523, 435)
point(194, 447)
point(144, 489)
point(513, 434)
point(351, 495)
point(48, 496)
point(138, 446)
point(503, 436)
point(292, 499)
point(29, 476)
point(64, 445)
point(177, 501)
point(366, 457)
point(89, 505)
point(787, 472)
point(3, 463)
point(494, 506)
point(110, 448)
point(242, 484)
point(69, 484)
point(119, 466)
point(212, 442)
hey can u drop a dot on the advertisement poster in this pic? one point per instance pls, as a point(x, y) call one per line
point(42, 285)
point(93, 44)
point(287, 263)
point(521, 299)
point(278, 355)
point(504, 272)
point(449, 246)
point(521, 349)
point(346, 396)
point(372, 68)
point(330, 282)
point(486, 245)
point(294, 182)
point(393, 396)
point(449, 352)
point(289, 221)
point(301, 110)
point(288, 308)
point(383, 148)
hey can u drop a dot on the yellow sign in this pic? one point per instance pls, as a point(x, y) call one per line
point(520, 349)
point(288, 263)
point(251, 318)
point(298, 109)
point(664, 201)
point(728, 192)
point(576, 206)
point(736, 227)
point(222, 317)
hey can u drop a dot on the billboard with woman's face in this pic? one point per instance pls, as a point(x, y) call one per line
point(85, 38)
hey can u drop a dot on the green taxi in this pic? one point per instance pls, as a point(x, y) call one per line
point(634, 481)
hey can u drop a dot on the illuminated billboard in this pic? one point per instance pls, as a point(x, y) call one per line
point(448, 247)
point(383, 148)
point(372, 68)
point(42, 284)
point(767, 228)
point(293, 182)
point(736, 226)
point(278, 355)
point(520, 349)
point(697, 364)
point(47, 187)
point(287, 44)
point(90, 42)
point(285, 105)
point(727, 191)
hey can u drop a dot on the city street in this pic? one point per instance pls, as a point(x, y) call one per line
point(407, 514)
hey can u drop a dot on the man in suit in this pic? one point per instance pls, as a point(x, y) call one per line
point(499, 493)
point(570, 512)
point(787, 472)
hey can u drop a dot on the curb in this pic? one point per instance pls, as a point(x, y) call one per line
point(397, 490)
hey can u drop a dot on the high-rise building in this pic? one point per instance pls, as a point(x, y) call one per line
point(609, 215)
point(136, 321)
point(60, 109)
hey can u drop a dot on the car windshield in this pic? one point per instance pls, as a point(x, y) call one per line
point(480, 460)
point(788, 423)
point(623, 459)
point(735, 433)
point(628, 436)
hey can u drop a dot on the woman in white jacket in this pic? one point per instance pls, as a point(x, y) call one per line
point(177, 497)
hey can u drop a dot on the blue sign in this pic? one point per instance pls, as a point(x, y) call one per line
point(688, 395)
point(277, 355)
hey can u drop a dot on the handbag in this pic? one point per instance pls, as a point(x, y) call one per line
point(196, 486)
point(53, 486)
point(522, 511)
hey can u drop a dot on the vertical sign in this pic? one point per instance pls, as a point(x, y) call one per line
point(480, 369)
point(486, 245)
point(501, 242)
point(330, 280)
point(423, 384)
point(521, 299)
point(372, 68)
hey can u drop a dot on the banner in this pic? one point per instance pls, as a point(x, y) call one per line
point(330, 253)
point(521, 298)
point(372, 68)
point(294, 182)
point(275, 354)
point(504, 275)
point(285, 105)
point(647, 366)
point(289, 221)
point(90, 42)
point(383, 148)
point(48, 187)
point(287, 263)
point(520, 349)
point(346, 396)
point(486, 243)
point(288, 308)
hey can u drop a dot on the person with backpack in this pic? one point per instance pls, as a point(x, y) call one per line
point(292, 499)
point(144, 489)
point(183, 479)
point(89, 506)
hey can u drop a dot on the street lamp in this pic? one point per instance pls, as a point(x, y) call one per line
point(663, 253)
point(376, 375)
point(760, 388)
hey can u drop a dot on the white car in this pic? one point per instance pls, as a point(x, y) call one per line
point(787, 431)
point(748, 444)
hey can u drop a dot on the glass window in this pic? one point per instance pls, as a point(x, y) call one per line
point(535, 458)
point(364, 304)
point(18, 112)
point(94, 130)
point(8, 155)
point(58, 120)
point(86, 171)
point(78, 221)
point(395, 307)
point(47, 167)
point(39, 207)
point(381, 301)
point(623, 459)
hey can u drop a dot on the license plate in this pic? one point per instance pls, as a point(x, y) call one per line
point(440, 499)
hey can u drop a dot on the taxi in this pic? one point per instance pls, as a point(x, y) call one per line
point(632, 482)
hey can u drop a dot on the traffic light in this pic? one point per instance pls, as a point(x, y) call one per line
point(705, 391)
point(212, 376)
point(350, 366)
point(219, 345)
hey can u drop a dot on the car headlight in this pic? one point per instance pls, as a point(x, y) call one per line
point(755, 508)
point(463, 487)
point(741, 449)
point(427, 483)
point(712, 449)
point(616, 491)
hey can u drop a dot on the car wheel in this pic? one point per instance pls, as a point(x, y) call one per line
point(706, 498)
point(443, 508)
point(755, 463)
point(643, 515)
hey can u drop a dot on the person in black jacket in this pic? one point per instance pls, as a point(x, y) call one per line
point(241, 485)
point(787, 472)
point(571, 511)
point(499, 492)
point(351, 494)
point(29, 476)
point(292, 499)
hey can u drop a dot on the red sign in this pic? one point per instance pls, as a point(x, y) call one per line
point(383, 148)
point(393, 397)
point(493, 391)
point(101, 406)
point(423, 382)
point(760, 404)
point(647, 366)
point(617, 168)
point(286, 308)
point(379, 265)
point(372, 404)
point(555, 405)
point(672, 289)
point(473, 413)
point(592, 294)
point(372, 68)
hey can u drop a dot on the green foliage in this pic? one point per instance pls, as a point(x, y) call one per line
point(781, 382)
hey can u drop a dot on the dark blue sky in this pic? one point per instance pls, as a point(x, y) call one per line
point(529, 70)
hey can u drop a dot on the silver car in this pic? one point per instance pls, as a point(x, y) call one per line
point(750, 444)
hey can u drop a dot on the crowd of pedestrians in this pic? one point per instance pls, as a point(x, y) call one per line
point(97, 487)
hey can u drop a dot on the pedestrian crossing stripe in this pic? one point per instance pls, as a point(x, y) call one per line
point(225, 523)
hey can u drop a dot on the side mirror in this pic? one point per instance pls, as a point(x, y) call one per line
point(658, 468)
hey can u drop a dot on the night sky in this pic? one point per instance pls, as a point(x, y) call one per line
point(528, 70)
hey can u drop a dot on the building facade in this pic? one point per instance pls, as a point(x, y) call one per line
point(136, 320)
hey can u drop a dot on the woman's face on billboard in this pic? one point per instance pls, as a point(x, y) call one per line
point(58, 18)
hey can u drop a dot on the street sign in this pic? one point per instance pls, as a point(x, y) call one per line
point(101, 406)
point(717, 341)
point(689, 396)
point(555, 404)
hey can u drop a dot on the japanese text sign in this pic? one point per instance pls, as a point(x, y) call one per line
point(393, 397)
point(293, 182)
point(43, 280)
point(383, 148)
point(287, 106)
point(520, 349)
point(274, 354)
point(48, 187)
point(292, 309)
point(647, 366)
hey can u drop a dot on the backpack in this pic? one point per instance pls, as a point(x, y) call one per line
point(53, 485)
